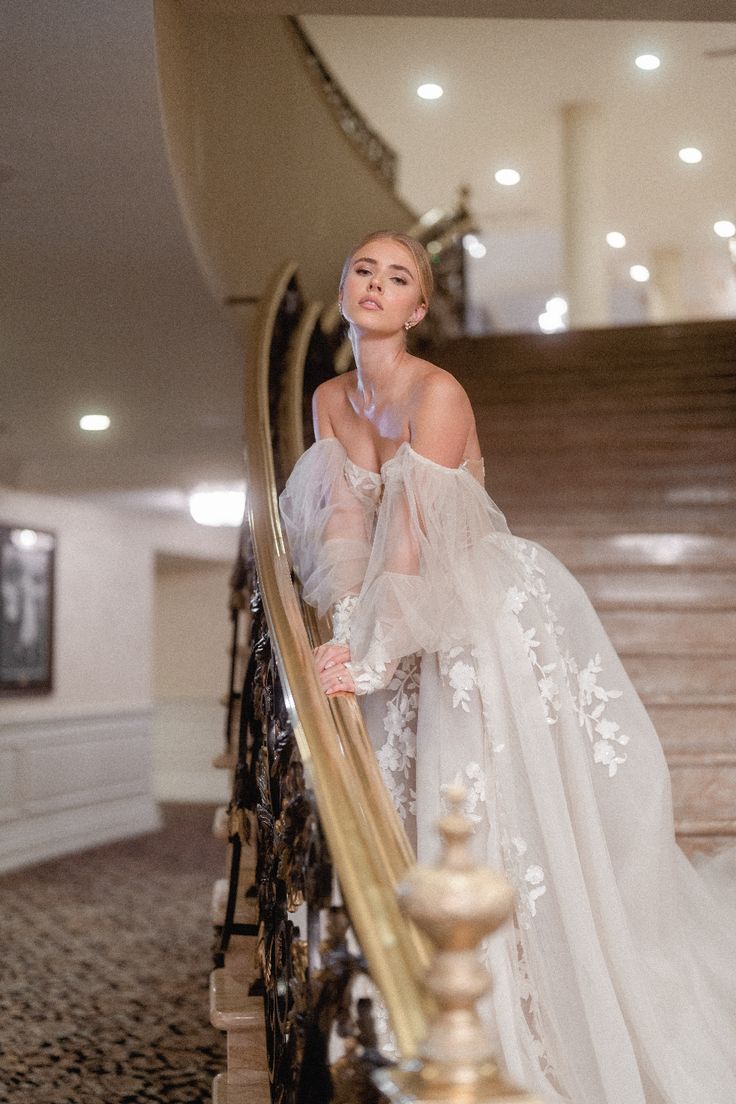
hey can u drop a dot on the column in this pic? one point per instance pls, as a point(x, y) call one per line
point(666, 298)
point(584, 214)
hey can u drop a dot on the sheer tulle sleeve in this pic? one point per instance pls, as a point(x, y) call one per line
point(434, 538)
point(328, 520)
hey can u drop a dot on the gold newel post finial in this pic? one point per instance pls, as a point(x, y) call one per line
point(456, 904)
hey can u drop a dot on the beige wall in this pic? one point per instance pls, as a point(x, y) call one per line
point(190, 671)
point(262, 170)
point(76, 764)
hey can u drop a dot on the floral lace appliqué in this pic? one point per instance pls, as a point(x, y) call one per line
point(462, 677)
point(341, 613)
point(588, 698)
point(397, 754)
point(526, 876)
point(590, 702)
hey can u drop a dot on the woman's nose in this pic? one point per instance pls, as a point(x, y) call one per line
point(375, 282)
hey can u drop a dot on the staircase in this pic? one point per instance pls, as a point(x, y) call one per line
point(617, 450)
point(233, 1009)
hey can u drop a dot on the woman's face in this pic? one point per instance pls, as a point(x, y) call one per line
point(381, 292)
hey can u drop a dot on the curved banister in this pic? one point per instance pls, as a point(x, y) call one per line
point(366, 839)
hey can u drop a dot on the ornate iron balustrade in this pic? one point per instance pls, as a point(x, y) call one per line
point(306, 774)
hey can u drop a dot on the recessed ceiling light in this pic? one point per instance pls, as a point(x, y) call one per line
point(550, 323)
point(640, 273)
point(24, 538)
point(690, 155)
point(94, 423)
point(724, 228)
point(615, 239)
point(507, 176)
point(648, 61)
point(217, 507)
point(430, 91)
point(473, 246)
point(556, 305)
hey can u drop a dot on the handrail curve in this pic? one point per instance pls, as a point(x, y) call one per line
point(366, 839)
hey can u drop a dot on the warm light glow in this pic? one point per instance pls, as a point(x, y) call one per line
point(94, 423)
point(24, 538)
point(473, 246)
point(690, 155)
point(429, 218)
point(616, 240)
point(430, 91)
point(217, 507)
point(640, 273)
point(433, 248)
point(648, 61)
point(724, 228)
point(556, 305)
point(550, 323)
point(508, 176)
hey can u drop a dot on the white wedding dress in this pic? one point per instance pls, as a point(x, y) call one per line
point(483, 657)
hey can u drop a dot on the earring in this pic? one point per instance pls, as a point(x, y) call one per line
point(407, 326)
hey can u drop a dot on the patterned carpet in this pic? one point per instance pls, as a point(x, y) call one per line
point(104, 964)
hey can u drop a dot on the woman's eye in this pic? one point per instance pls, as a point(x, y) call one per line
point(363, 271)
point(399, 279)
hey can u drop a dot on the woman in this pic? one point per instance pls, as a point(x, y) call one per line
point(477, 654)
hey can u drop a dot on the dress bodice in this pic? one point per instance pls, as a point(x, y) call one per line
point(368, 484)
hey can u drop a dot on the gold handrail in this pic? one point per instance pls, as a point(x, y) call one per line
point(366, 839)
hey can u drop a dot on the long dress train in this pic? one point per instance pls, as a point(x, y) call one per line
point(616, 981)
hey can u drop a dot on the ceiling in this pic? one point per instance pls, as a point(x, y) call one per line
point(103, 305)
point(505, 84)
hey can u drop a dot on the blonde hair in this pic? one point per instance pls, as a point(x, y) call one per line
point(417, 250)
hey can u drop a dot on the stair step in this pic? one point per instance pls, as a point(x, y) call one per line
point(248, 1087)
point(655, 551)
point(220, 828)
point(701, 729)
point(715, 590)
point(705, 794)
point(674, 632)
point(246, 908)
point(660, 677)
point(231, 1009)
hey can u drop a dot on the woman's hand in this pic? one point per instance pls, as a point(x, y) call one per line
point(334, 677)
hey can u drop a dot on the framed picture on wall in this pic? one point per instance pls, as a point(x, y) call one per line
point(26, 609)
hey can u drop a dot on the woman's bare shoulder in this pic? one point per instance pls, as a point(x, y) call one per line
point(328, 401)
point(442, 422)
point(435, 385)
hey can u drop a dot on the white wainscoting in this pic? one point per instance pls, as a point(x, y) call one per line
point(73, 782)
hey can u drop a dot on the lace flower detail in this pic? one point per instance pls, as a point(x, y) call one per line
point(461, 676)
point(527, 878)
point(590, 703)
point(341, 613)
point(396, 755)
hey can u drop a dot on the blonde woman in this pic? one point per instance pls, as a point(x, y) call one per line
point(476, 654)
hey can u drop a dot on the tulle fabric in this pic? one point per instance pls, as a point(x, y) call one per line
point(616, 981)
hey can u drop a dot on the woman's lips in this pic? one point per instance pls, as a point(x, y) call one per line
point(371, 304)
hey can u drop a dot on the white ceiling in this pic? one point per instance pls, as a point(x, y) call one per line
point(103, 305)
point(505, 83)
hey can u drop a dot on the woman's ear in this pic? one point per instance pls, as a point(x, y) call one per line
point(418, 314)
